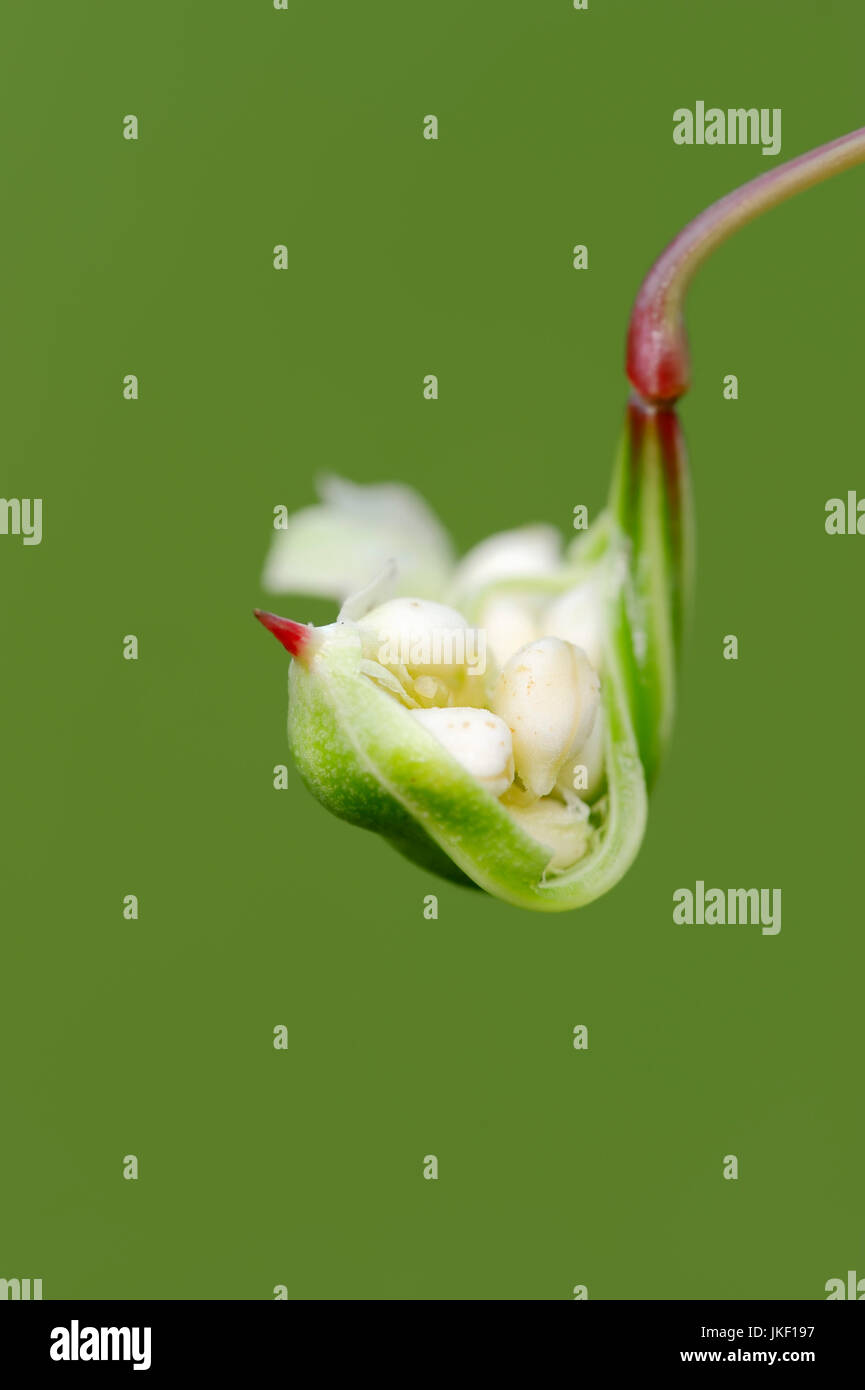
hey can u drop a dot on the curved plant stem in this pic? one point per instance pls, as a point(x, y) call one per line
point(658, 359)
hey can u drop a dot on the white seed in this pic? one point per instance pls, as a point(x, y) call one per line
point(563, 830)
point(578, 616)
point(427, 638)
point(479, 741)
point(509, 623)
point(548, 694)
point(591, 757)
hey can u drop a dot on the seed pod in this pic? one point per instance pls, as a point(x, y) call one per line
point(369, 760)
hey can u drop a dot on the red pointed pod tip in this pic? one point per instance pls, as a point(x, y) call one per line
point(293, 636)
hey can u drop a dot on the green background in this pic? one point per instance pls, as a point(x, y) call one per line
point(409, 1037)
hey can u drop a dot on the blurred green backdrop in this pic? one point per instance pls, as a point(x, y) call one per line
point(409, 1037)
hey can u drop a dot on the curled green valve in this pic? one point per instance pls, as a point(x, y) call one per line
point(502, 720)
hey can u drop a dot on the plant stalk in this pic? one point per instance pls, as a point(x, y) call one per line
point(658, 361)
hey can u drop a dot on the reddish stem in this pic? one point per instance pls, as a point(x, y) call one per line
point(657, 360)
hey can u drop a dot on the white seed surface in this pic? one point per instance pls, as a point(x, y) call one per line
point(548, 694)
point(563, 830)
point(577, 617)
point(417, 633)
point(509, 623)
point(480, 742)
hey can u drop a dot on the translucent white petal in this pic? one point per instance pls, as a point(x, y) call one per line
point(528, 550)
point(339, 546)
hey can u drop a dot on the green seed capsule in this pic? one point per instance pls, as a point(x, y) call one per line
point(519, 770)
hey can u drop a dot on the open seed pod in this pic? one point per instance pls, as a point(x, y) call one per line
point(525, 775)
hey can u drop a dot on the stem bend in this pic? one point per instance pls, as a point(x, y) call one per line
point(658, 361)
